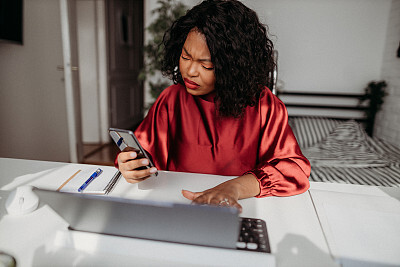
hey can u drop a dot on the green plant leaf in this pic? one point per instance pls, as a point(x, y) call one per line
point(166, 13)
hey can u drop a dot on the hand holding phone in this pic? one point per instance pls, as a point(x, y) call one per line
point(134, 169)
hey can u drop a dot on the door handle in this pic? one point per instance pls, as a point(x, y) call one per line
point(61, 68)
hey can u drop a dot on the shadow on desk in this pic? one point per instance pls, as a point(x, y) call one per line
point(296, 251)
point(71, 257)
point(393, 192)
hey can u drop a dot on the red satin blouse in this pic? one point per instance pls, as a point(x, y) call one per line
point(183, 133)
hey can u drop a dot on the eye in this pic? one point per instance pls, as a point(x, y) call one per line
point(184, 58)
point(210, 68)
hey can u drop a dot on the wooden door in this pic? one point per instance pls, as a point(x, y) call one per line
point(125, 56)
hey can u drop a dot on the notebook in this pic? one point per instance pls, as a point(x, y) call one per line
point(202, 225)
point(71, 177)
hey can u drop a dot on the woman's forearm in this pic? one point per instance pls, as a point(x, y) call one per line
point(247, 185)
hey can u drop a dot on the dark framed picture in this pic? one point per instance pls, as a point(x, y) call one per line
point(11, 21)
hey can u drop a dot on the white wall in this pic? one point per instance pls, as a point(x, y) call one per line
point(93, 70)
point(87, 48)
point(326, 45)
point(388, 120)
point(33, 120)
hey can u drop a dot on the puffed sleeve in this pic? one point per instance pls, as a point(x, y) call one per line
point(282, 169)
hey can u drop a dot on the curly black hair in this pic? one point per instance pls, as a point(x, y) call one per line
point(240, 50)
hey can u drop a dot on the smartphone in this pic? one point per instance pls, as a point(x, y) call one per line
point(126, 138)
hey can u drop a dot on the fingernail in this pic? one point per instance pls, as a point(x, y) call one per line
point(153, 170)
point(145, 161)
point(133, 155)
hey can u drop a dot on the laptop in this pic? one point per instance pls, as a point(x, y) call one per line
point(203, 225)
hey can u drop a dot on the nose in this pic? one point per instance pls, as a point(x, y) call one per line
point(192, 69)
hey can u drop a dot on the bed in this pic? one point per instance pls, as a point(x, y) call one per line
point(336, 141)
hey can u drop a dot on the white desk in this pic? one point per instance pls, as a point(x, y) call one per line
point(40, 238)
point(361, 223)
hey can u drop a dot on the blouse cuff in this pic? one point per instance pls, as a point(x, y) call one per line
point(264, 182)
point(273, 182)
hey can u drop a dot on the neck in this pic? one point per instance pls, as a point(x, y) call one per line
point(209, 97)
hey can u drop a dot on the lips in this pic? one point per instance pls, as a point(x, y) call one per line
point(190, 84)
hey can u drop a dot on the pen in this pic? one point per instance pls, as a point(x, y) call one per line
point(91, 178)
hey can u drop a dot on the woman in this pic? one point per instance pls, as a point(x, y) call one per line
point(219, 117)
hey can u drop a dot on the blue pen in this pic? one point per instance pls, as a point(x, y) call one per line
point(91, 178)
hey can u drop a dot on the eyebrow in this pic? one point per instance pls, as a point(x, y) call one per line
point(204, 59)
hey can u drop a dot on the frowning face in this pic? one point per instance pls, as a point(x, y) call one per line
point(195, 65)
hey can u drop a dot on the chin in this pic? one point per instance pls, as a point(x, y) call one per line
point(198, 92)
point(194, 92)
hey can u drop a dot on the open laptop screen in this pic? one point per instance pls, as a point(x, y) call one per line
point(181, 223)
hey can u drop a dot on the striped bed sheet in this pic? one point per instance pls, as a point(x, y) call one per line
point(340, 151)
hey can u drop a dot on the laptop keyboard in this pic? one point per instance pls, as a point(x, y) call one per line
point(253, 236)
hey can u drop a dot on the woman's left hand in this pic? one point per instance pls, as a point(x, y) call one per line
point(213, 196)
point(227, 193)
point(221, 195)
